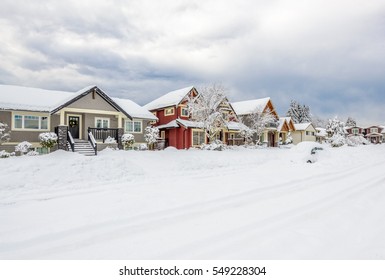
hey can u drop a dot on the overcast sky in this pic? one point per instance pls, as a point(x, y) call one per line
point(328, 54)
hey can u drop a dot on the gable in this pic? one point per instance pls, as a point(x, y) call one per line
point(170, 99)
point(270, 106)
point(92, 101)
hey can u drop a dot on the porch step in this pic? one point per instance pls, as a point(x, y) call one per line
point(83, 147)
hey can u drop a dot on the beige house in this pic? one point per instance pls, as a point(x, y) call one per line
point(82, 120)
point(304, 132)
point(270, 135)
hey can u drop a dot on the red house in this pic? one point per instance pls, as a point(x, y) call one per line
point(176, 126)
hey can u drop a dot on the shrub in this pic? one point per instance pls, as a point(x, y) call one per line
point(23, 147)
point(4, 154)
point(128, 141)
point(48, 139)
point(216, 145)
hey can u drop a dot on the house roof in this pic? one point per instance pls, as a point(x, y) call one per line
point(171, 98)
point(42, 100)
point(302, 126)
point(32, 99)
point(250, 106)
point(178, 122)
point(282, 121)
point(321, 132)
point(136, 111)
point(235, 126)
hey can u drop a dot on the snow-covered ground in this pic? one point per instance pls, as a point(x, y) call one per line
point(235, 204)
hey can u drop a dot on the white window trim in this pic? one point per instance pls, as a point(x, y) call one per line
point(169, 114)
point(102, 119)
point(374, 130)
point(32, 114)
point(192, 137)
point(181, 111)
point(133, 126)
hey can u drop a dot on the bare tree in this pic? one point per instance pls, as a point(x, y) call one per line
point(206, 108)
point(259, 120)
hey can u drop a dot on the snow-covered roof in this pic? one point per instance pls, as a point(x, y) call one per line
point(235, 126)
point(249, 106)
point(321, 132)
point(301, 126)
point(281, 123)
point(169, 99)
point(135, 110)
point(187, 123)
point(33, 99)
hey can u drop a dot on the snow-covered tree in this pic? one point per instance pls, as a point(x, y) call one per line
point(258, 120)
point(151, 135)
point(4, 133)
point(319, 122)
point(299, 113)
point(335, 128)
point(351, 122)
point(246, 132)
point(207, 110)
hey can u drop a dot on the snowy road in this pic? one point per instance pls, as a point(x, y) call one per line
point(236, 204)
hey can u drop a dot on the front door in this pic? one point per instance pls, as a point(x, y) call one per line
point(73, 125)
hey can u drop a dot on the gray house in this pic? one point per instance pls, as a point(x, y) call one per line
point(83, 120)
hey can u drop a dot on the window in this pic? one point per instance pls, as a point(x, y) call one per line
point(169, 111)
point(163, 134)
point(133, 126)
point(30, 122)
point(198, 137)
point(307, 132)
point(355, 131)
point(374, 130)
point(102, 122)
point(312, 133)
point(184, 112)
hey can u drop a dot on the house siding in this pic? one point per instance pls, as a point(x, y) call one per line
point(87, 102)
point(300, 135)
point(139, 137)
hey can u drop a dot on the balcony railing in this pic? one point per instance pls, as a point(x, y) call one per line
point(101, 134)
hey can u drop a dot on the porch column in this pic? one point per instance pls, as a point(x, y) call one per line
point(62, 137)
point(120, 133)
point(62, 117)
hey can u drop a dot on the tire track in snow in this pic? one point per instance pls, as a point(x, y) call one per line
point(138, 224)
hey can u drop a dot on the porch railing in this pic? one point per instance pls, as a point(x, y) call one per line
point(101, 134)
point(92, 140)
point(235, 141)
point(71, 140)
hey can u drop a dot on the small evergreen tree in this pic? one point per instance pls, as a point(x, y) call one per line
point(351, 122)
point(335, 128)
point(299, 113)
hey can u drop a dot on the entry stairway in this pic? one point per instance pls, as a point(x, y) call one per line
point(83, 147)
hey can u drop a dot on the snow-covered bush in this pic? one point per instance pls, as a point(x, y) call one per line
point(110, 140)
point(4, 154)
point(48, 139)
point(151, 135)
point(23, 147)
point(128, 141)
point(32, 153)
point(356, 141)
point(337, 140)
point(143, 147)
point(4, 133)
point(289, 139)
point(216, 145)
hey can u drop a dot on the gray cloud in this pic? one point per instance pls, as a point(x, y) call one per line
point(328, 54)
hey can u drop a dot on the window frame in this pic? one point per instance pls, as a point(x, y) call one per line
point(25, 116)
point(102, 120)
point(202, 135)
point(133, 126)
point(182, 109)
point(171, 113)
